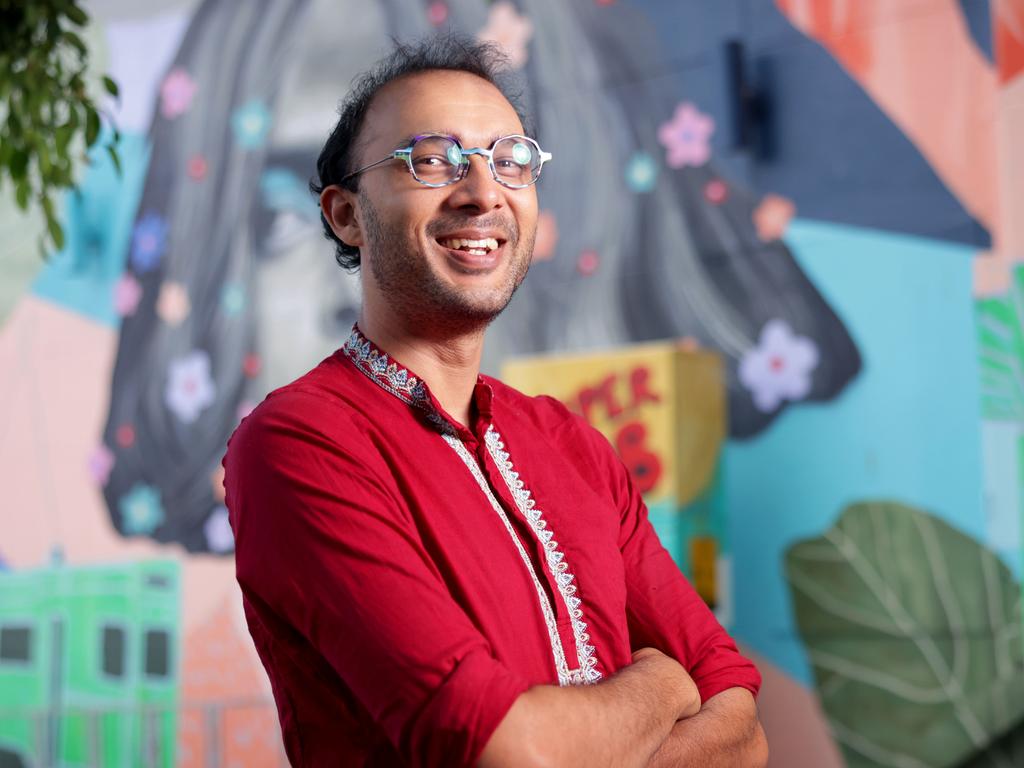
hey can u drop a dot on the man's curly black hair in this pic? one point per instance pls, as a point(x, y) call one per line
point(450, 51)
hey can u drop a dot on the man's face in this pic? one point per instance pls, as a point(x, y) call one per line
point(409, 229)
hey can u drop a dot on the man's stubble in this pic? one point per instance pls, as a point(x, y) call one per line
point(406, 278)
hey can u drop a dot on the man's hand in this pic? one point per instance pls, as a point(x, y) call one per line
point(619, 723)
point(677, 677)
point(724, 734)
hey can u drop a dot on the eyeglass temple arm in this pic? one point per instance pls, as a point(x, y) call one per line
point(392, 156)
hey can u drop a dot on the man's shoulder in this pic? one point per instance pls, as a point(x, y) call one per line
point(322, 402)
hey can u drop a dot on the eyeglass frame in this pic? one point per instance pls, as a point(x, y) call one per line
point(405, 153)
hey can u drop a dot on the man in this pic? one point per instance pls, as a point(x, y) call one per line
point(436, 569)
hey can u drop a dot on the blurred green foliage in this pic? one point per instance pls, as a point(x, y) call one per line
point(45, 107)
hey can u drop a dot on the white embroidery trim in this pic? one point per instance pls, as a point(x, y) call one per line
point(561, 666)
point(377, 366)
point(391, 377)
point(557, 565)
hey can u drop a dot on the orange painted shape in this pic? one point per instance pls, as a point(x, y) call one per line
point(1009, 41)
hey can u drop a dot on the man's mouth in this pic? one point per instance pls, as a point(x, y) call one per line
point(472, 247)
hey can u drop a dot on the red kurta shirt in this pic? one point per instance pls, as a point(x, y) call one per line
point(405, 578)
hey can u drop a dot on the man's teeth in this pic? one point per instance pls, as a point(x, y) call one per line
point(474, 247)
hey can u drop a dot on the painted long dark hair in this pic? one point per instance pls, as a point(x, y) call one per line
point(207, 245)
point(672, 263)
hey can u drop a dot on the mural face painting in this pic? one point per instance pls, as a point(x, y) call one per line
point(856, 286)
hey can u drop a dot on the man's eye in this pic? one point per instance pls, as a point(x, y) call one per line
point(431, 161)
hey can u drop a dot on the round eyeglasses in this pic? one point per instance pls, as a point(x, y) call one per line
point(435, 160)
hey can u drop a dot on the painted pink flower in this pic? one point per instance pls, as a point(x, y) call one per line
point(687, 136)
point(127, 293)
point(197, 167)
point(125, 435)
point(716, 191)
point(437, 13)
point(779, 367)
point(547, 236)
point(173, 304)
point(176, 93)
point(510, 31)
point(100, 463)
point(587, 263)
point(252, 364)
point(772, 217)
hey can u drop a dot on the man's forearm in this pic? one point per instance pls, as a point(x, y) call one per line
point(724, 734)
point(620, 722)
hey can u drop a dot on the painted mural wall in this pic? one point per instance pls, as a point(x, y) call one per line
point(842, 232)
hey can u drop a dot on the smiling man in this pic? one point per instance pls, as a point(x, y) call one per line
point(436, 569)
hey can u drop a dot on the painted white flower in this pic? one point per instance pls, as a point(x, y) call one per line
point(190, 388)
point(779, 367)
point(217, 529)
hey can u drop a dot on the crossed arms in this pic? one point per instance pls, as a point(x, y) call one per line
point(333, 568)
point(649, 714)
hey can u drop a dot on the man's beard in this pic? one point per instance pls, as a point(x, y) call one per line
point(407, 279)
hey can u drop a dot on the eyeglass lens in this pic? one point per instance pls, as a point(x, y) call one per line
point(437, 160)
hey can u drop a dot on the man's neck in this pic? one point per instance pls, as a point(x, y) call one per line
point(448, 363)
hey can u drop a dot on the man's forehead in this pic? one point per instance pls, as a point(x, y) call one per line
point(453, 103)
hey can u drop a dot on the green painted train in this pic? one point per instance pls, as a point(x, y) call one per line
point(89, 665)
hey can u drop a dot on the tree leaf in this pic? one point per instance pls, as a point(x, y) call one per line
point(62, 137)
point(111, 86)
point(114, 159)
point(76, 42)
point(21, 194)
point(56, 232)
point(914, 633)
point(92, 126)
point(19, 163)
point(76, 15)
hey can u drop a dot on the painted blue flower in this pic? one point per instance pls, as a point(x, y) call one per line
point(251, 124)
point(282, 190)
point(641, 172)
point(232, 299)
point(149, 242)
point(141, 510)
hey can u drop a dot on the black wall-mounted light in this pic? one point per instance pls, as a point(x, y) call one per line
point(749, 102)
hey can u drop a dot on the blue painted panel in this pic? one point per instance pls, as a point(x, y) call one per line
point(907, 428)
point(97, 224)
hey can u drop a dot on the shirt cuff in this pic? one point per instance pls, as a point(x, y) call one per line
point(459, 719)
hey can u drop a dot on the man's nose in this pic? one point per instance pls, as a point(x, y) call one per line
point(477, 189)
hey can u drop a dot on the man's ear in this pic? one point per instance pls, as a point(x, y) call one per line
point(338, 206)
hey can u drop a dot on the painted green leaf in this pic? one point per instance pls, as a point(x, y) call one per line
point(914, 633)
point(1001, 348)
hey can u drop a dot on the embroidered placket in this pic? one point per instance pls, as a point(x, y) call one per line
point(561, 666)
point(557, 565)
point(393, 378)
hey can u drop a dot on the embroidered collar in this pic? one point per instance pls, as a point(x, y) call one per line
point(394, 378)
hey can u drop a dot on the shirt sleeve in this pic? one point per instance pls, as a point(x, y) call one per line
point(663, 609)
point(323, 539)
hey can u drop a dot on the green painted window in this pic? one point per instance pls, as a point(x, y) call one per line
point(113, 651)
point(158, 653)
point(15, 643)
